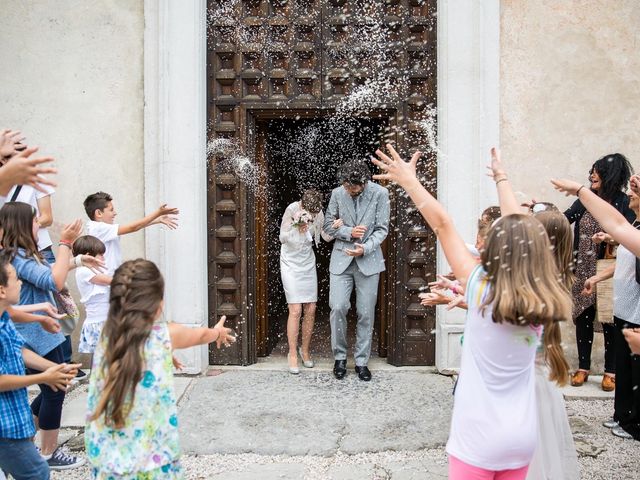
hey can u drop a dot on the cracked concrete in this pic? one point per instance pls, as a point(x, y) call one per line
point(314, 414)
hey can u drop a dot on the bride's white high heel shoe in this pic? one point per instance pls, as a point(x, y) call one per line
point(307, 363)
point(293, 370)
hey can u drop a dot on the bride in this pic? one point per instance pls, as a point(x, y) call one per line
point(301, 226)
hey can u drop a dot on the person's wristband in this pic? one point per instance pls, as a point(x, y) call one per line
point(77, 260)
point(65, 243)
point(578, 191)
point(503, 179)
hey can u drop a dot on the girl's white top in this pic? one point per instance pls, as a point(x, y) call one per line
point(95, 298)
point(494, 422)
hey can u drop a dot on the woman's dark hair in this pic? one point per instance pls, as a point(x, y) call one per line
point(137, 290)
point(354, 172)
point(614, 171)
point(16, 221)
point(88, 245)
point(312, 201)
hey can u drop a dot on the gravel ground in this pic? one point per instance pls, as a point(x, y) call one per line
point(602, 456)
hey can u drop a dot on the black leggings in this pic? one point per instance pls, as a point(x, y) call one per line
point(584, 339)
point(47, 406)
point(627, 400)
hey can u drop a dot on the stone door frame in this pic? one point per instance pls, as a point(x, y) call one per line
point(175, 157)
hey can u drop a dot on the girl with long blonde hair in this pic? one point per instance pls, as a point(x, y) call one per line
point(132, 423)
point(512, 294)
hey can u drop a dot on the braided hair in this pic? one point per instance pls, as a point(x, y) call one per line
point(137, 291)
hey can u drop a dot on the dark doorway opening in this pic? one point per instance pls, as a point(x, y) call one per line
point(300, 154)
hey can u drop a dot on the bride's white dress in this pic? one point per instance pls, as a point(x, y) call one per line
point(297, 259)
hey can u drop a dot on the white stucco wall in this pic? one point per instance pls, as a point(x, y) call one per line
point(71, 80)
point(569, 95)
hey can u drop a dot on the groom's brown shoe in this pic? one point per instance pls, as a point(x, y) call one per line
point(340, 369)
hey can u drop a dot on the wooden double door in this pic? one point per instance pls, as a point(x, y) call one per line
point(275, 67)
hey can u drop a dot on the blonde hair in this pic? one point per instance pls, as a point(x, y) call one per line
point(525, 287)
point(560, 236)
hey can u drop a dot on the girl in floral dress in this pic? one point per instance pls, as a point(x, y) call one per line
point(132, 423)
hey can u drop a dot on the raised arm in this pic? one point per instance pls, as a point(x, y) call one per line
point(148, 220)
point(612, 221)
point(60, 269)
point(404, 174)
point(185, 337)
point(508, 203)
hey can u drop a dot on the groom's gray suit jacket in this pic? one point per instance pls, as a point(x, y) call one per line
point(373, 212)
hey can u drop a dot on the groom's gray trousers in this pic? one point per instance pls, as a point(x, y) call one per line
point(341, 287)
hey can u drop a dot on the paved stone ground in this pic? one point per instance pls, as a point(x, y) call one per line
point(272, 425)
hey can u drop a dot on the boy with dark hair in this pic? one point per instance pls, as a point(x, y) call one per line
point(18, 454)
point(102, 214)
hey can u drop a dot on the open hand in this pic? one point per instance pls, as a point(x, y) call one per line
point(164, 209)
point(495, 169)
point(71, 231)
point(443, 282)
point(458, 301)
point(225, 335)
point(22, 170)
point(435, 297)
point(93, 263)
point(395, 168)
point(177, 364)
point(11, 142)
point(170, 221)
point(568, 187)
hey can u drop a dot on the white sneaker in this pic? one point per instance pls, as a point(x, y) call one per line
point(611, 423)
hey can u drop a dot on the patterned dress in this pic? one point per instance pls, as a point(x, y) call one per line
point(147, 447)
point(586, 259)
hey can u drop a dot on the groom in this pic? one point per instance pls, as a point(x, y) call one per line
point(356, 259)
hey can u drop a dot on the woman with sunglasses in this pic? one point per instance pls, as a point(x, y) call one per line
point(609, 177)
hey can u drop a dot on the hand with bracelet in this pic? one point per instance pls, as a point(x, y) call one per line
point(60, 268)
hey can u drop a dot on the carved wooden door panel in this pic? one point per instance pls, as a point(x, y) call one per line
point(296, 57)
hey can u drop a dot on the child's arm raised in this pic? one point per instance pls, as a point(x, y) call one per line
point(185, 337)
point(60, 269)
point(508, 203)
point(148, 220)
point(612, 221)
point(404, 174)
